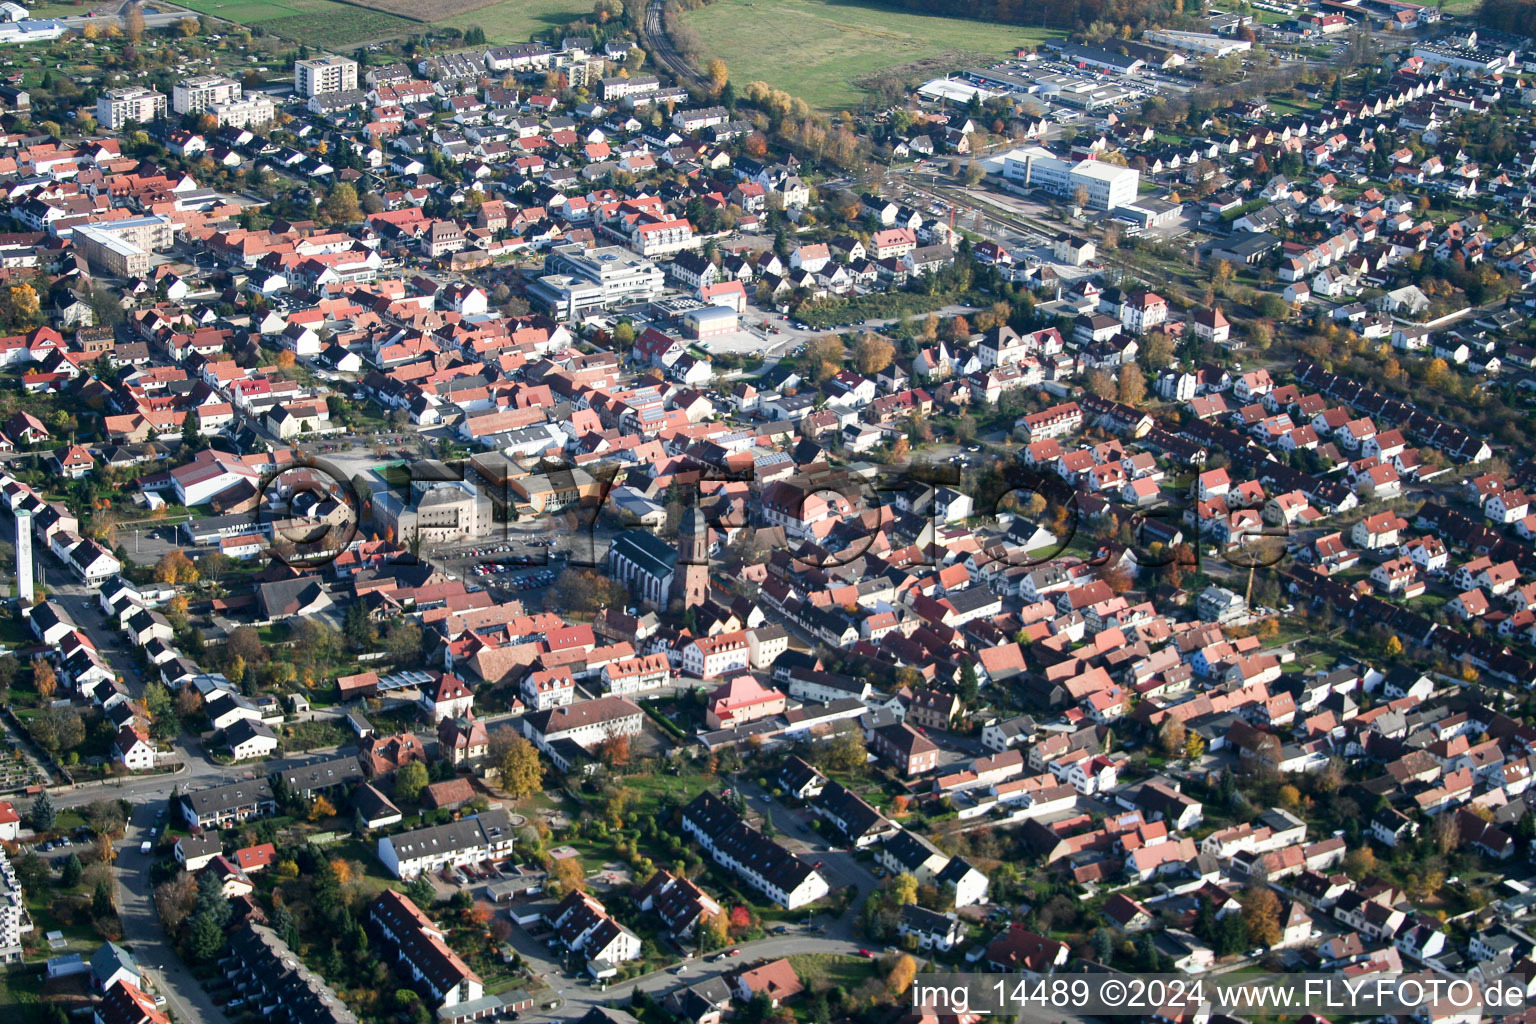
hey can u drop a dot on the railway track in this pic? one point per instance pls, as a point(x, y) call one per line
point(653, 31)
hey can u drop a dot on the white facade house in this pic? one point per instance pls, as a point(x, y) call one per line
point(485, 836)
point(752, 856)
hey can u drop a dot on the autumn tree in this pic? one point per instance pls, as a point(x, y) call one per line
point(43, 678)
point(902, 889)
point(341, 204)
point(1360, 862)
point(1100, 383)
point(872, 353)
point(714, 931)
point(717, 73)
point(845, 753)
point(522, 773)
point(1132, 386)
point(903, 972)
point(133, 22)
point(1171, 736)
point(321, 808)
point(1157, 350)
point(1446, 834)
point(614, 751)
point(1261, 912)
point(568, 875)
point(586, 592)
point(825, 356)
point(286, 360)
point(175, 567)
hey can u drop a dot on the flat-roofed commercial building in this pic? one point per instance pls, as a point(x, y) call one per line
point(1107, 186)
point(578, 279)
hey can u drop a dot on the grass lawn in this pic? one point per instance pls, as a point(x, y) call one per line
point(515, 21)
point(649, 789)
point(833, 968)
point(21, 995)
point(61, 9)
point(317, 22)
point(821, 48)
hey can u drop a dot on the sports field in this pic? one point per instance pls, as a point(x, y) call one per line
point(818, 49)
point(513, 21)
point(323, 23)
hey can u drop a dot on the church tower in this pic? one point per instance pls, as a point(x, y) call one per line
point(690, 580)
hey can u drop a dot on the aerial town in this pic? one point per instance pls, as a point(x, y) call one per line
point(502, 520)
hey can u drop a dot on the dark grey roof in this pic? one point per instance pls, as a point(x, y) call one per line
point(208, 802)
point(480, 830)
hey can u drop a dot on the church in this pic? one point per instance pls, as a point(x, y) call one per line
point(655, 572)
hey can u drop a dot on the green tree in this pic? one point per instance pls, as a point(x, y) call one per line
point(970, 687)
point(69, 874)
point(356, 625)
point(410, 781)
point(191, 438)
point(421, 892)
point(43, 813)
point(211, 899)
point(205, 939)
point(157, 700)
point(101, 900)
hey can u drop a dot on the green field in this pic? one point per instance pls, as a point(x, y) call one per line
point(515, 21)
point(820, 48)
point(316, 22)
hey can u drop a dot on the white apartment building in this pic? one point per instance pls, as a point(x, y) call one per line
point(324, 74)
point(632, 675)
point(116, 107)
point(1108, 186)
point(13, 914)
point(712, 656)
point(197, 94)
point(661, 237)
point(552, 689)
point(486, 836)
point(249, 112)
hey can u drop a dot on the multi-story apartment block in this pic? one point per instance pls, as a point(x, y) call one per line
point(324, 74)
point(116, 107)
point(247, 112)
point(194, 95)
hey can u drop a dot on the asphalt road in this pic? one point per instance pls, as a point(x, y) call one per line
point(186, 999)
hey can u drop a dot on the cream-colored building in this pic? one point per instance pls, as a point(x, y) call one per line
point(324, 74)
point(249, 112)
point(116, 107)
point(123, 248)
point(197, 94)
point(439, 510)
